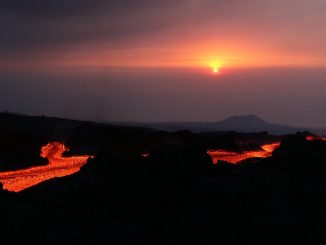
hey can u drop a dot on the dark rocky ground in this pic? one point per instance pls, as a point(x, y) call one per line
point(176, 196)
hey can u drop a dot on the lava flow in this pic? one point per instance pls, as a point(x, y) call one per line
point(235, 157)
point(312, 138)
point(58, 166)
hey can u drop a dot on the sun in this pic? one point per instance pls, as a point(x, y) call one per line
point(215, 70)
point(215, 66)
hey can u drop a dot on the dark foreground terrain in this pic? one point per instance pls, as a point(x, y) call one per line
point(173, 196)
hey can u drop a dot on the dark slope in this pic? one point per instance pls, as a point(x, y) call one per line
point(177, 197)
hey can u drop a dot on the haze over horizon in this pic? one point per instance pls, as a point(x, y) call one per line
point(142, 60)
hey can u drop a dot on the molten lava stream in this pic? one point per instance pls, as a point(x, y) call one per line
point(235, 157)
point(58, 166)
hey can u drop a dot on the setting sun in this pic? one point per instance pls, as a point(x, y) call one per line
point(216, 66)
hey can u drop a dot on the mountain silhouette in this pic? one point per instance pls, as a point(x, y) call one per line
point(240, 121)
point(244, 123)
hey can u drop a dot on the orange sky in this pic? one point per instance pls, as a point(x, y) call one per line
point(196, 53)
point(181, 33)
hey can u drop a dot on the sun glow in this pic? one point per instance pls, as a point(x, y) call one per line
point(215, 66)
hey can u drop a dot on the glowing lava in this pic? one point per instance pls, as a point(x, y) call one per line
point(58, 166)
point(145, 155)
point(312, 138)
point(235, 157)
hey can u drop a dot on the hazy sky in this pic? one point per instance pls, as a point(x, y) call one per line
point(151, 59)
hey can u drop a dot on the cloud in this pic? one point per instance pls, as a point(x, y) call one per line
point(38, 24)
point(62, 8)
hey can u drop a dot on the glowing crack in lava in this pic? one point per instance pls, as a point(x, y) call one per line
point(235, 157)
point(58, 166)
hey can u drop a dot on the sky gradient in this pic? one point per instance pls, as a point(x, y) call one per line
point(152, 60)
